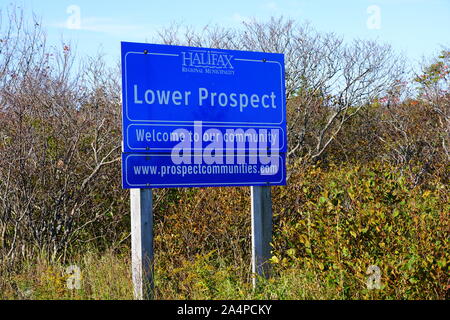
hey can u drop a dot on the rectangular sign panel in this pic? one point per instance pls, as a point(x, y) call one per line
point(186, 101)
point(158, 170)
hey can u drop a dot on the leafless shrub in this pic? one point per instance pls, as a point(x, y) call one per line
point(327, 80)
point(60, 133)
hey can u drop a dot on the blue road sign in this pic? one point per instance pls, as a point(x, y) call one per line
point(190, 101)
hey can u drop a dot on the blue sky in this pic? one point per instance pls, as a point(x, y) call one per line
point(416, 28)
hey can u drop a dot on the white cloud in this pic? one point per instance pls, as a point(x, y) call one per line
point(105, 25)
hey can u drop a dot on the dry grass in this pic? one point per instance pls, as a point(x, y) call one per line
point(108, 277)
point(105, 277)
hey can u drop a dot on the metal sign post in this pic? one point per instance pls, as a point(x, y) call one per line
point(142, 242)
point(261, 231)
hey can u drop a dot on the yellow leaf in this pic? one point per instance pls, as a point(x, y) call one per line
point(275, 260)
point(426, 194)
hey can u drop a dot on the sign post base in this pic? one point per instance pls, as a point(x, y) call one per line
point(261, 231)
point(142, 243)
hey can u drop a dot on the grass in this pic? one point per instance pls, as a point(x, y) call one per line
point(105, 277)
point(108, 277)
